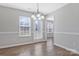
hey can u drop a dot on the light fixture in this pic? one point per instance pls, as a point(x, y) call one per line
point(37, 15)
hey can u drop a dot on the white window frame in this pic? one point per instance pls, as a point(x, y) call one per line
point(49, 21)
point(20, 35)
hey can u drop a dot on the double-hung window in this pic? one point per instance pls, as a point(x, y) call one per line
point(24, 26)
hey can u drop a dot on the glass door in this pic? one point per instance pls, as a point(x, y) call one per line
point(38, 29)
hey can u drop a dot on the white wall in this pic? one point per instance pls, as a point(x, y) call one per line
point(66, 26)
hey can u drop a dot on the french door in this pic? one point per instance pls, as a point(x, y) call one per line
point(38, 29)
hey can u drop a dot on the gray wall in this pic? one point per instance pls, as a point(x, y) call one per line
point(66, 26)
point(9, 26)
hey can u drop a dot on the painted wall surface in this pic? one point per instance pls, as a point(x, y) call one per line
point(66, 26)
point(9, 27)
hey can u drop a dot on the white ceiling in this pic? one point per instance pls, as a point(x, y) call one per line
point(45, 8)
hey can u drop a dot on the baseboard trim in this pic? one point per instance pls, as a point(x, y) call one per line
point(68, 49)
point(13, 45)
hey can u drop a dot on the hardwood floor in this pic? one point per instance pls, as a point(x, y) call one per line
point(37, 49)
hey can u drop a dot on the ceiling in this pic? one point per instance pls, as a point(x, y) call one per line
point(45, 8)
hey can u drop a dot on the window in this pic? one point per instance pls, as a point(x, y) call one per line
point(24, 26)
point(49, 26)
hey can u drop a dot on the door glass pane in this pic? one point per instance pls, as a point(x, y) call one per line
point(38, 29)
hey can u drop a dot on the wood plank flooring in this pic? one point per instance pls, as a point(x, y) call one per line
point(36, 49)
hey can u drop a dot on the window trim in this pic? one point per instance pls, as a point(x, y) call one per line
point(20, 35)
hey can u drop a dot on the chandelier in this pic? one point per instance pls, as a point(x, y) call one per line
point(37, 15)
